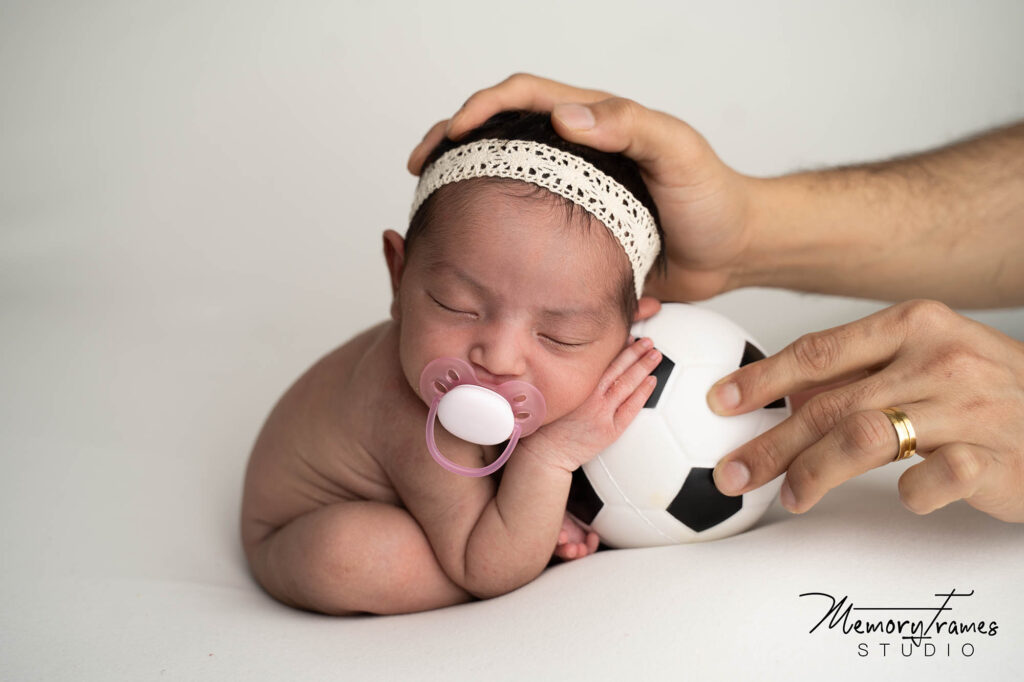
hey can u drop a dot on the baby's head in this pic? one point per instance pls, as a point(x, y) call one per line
point(514, 278)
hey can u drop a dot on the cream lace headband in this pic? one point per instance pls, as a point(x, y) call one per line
point(562, 173)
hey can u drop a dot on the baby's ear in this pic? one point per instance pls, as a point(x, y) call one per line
point(394, 254)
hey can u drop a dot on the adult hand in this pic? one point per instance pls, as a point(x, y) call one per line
point(703, 204)
point(960, 383)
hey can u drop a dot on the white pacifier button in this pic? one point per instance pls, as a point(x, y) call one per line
point(476, 414)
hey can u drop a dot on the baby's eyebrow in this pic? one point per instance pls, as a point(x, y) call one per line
point(597, 317)
point(459, 273)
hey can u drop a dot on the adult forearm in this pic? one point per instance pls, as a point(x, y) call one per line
point(946, 224)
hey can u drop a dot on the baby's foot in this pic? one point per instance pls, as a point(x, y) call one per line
point(573, 541)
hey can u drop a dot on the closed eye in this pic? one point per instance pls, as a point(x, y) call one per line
point(563, 344)
point(449, 308)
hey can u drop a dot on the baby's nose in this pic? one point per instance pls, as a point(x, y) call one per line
point(498, 359)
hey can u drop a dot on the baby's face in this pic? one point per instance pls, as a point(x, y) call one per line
point(512, 289)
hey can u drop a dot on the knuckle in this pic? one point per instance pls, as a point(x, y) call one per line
point(816, 352)
point(469, 101)
point(923, 313)
point(866, 432)
point(519, 77)
point(804, 475)
point(765, 456)
point(824, 411)
point(625, 108)
point(961, 466)
point(957, 361)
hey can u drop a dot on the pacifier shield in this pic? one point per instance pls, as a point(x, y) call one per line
point(478, 413)
point(443, 374)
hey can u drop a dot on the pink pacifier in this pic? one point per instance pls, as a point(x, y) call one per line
point(485, 415)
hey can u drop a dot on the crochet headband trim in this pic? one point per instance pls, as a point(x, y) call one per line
point(564, 174)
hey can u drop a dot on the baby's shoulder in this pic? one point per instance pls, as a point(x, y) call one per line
point(353, 378)
point(321, 419)
point(367, 395)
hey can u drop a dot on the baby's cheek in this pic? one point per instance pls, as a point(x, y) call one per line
point(565, 396)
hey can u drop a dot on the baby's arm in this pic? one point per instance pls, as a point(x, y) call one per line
point(509, 539)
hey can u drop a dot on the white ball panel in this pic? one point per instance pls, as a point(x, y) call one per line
point(647, 464)
point(692, 335)
point(703, 435)
point(670, 526)
point(621, 526)
point(601, 481)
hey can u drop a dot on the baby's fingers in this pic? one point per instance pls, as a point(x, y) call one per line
point(615, 374)
point(632, 389)
point(631, 407)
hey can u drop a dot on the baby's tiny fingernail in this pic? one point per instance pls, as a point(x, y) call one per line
point(574, 116)
point(732, 477)
point(723, 397)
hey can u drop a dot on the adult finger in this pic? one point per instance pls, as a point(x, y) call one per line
point(621, 125)
point(426, 145)
point(813, 359)
point(860, 442)
point(833, 414)
point(518, 91)
point(801, 398)
point(624, 126)
point(952, 472)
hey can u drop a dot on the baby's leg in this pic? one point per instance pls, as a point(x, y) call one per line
point(352, 557)
point(574, 542)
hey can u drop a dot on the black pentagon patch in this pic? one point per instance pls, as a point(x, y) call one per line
point(699, 505)
point(752, 353)
point(583, 502)
point(662, 372)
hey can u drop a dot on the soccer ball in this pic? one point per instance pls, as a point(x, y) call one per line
point(653, 486)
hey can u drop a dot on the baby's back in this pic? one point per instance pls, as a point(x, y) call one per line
point(322, 442)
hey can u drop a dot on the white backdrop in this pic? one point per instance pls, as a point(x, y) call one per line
point(191, 202)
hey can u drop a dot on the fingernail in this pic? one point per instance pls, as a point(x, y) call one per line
point(574, 116)
point(731, 477)
point(723, 397)
point(786, 496)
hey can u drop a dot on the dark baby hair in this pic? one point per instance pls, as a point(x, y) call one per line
point(537, 127)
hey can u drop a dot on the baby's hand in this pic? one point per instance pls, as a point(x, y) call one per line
point(616, 401)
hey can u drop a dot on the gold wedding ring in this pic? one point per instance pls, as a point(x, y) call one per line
point(904, 431)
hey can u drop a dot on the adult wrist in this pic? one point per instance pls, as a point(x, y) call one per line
point(770, 234)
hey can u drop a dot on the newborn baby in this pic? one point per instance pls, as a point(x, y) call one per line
point(345, 510)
